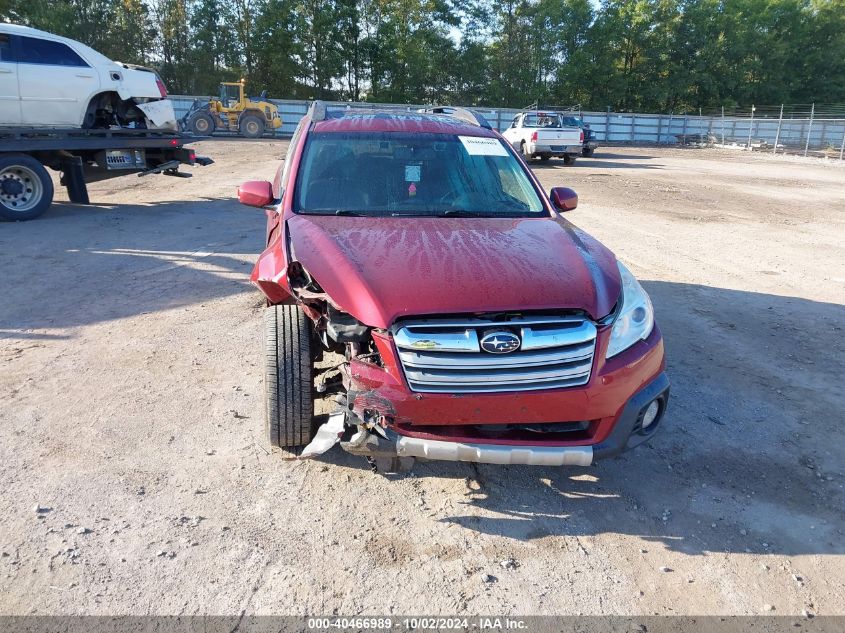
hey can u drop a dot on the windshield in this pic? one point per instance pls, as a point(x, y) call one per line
point(229, 93)
point(390, 173)
point(541, 120)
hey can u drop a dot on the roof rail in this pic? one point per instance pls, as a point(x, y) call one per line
point(459, 113)
point(317, 111)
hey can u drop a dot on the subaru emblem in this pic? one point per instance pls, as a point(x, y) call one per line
point(500, 342)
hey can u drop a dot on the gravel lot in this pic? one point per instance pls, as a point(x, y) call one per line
point(135, 478)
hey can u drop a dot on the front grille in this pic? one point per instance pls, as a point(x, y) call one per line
point(445, 356)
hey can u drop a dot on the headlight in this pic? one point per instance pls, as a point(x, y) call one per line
point(636, 320)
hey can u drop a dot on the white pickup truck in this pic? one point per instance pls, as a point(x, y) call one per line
point(543, 135)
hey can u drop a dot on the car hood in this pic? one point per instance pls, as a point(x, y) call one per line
point(381, 269)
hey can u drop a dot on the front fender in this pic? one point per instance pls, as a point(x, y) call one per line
point(270, 273)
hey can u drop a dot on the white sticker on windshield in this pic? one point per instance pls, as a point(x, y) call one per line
point(413, 173)
point(481, 146)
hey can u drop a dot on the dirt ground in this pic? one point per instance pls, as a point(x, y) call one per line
point(135, 478)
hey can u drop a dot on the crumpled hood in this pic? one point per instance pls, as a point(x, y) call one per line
point(380, 269)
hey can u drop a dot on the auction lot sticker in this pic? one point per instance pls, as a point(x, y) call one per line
point(480, 146)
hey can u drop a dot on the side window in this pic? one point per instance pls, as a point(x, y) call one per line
point(6, 48)
point(38, 51)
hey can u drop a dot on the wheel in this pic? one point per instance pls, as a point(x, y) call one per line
point(587, 151)
point(568, 159)
point(522, 150)
point(544, 159)
point(26, 189)
point(201, 124)
point(289, 382)
point(251, 126)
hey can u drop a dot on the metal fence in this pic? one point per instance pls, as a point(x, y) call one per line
point(808, 131)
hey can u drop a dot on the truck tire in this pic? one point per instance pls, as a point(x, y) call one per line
point(569, 159)
point(201, 124)
point(251, 126)
point(289, 382)
point(26, 189)
point(522, 151)
point(587, 152)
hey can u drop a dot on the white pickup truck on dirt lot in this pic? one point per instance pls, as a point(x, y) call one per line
point(52, 81)
point(543, 135)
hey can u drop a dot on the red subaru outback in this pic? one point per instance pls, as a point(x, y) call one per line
point(469, 320)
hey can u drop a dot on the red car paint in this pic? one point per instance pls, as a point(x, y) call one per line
point(379, 269)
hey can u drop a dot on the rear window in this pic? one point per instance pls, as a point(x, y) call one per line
point(390, 173)
point(37, 51)
point(541, 120)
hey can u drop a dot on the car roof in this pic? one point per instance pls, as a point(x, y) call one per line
point(384, 120)
point(19, 29)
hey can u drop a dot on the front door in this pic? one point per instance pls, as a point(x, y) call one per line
point(10, 102)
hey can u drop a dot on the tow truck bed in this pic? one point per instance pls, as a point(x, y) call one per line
point(82, 156)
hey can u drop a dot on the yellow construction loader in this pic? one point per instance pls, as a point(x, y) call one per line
point(233, 111)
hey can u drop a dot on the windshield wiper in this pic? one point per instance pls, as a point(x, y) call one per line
point(348, 212)
point(460, 213)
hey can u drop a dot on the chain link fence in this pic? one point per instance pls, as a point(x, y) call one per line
point(807, 130)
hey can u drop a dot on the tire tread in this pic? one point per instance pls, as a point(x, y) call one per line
point(289, 378)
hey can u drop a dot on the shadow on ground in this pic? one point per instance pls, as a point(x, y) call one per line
point(78, 265)
point(596, 161)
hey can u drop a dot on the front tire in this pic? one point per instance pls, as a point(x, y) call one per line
point(251, 126)
point(289, 379)
point(201, 124)
point(26, 189)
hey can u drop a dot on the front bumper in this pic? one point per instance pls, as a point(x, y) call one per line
point(626, 434)
point(445, 426)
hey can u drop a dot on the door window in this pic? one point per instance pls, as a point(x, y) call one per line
point(38, 51)
point(5, 48)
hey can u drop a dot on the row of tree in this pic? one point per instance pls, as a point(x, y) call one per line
point(646, 55)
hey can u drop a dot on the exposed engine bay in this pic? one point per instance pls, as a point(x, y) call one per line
point(343, 341)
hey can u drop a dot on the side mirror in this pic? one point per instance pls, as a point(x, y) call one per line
point(564, 199)
point(255, 193)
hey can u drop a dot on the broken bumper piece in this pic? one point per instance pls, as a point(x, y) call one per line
point(327, 436)
point(385, 443)
point(372, 445)
point(495, 453)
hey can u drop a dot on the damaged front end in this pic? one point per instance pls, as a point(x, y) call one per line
point(354, 415)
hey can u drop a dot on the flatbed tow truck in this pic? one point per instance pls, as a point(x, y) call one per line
point(82, 156)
